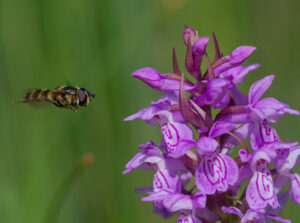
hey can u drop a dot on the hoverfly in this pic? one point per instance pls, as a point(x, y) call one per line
point(68, 97)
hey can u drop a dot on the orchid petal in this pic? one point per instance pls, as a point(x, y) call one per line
point(206, 145)
point(295, 188)
point(277, 218)
point(199, 200)
point(253, 216)
point(273, 109)
point(166, 181)
point(215, 172)
point(176, 202)
point(232, 210)
point(158, 81)
point(260, 190)
point(215, 91)
point(220, 128)
point(187, 217)
point(259, 88)
point(237, 57)
point(189, 35)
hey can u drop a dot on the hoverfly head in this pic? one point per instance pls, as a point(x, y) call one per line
point(84, 97)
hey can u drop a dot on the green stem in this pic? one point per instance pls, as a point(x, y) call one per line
point(63, 190)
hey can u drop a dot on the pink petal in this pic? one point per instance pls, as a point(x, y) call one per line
point(220, 128)
point(206, 145)
point(189, 34)
point(259, 88)
point(215, 172)
point(232, 210)
point(295, 188)
point(187, 217)
point(241, 53)
point(176, 202)
point(199, 200)
point(260, 190)
point(277, 218)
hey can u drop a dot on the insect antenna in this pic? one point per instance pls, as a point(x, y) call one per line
point(92, 95)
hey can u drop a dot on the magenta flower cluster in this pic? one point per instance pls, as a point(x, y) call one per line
point(220, 159)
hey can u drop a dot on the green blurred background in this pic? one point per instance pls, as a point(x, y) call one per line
point(97, 44)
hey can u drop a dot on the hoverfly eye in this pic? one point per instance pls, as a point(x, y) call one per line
point(82, 97)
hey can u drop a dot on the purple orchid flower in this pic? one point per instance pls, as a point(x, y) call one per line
point(216, 170)
point(174, 133)
point(204, 155)
point(215, 91)
point(185, 205)
point(252, 215)
point(161, 82)
point(236, 76)
point(236, 58)
point(286, 174)
point(267, 108)
point(146, 159)
point(196, 48)
point(258, 110)
point(164, 183)
point(260, 190)
point(187, 217)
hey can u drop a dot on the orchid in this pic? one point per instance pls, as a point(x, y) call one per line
point(195, 174)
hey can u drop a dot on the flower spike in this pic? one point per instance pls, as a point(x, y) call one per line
point(214, 138)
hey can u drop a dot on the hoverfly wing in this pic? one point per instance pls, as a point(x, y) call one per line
point(67, 88)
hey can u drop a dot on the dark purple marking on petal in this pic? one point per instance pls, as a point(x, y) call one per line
point(267, 133)
point(160, 182)
point(283, 153)
point(199, 200)
point(185, 218)
point(215, 169)
point(171, 136)
point(264, 185)
point(157, 183)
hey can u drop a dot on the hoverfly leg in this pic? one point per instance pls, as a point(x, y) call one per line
point(61, 102)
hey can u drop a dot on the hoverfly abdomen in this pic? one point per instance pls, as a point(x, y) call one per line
point(36, 96)
point(45, 95)
point(27, 97)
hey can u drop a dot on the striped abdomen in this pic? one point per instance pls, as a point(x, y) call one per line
point(40, 95)
point(57, 97)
